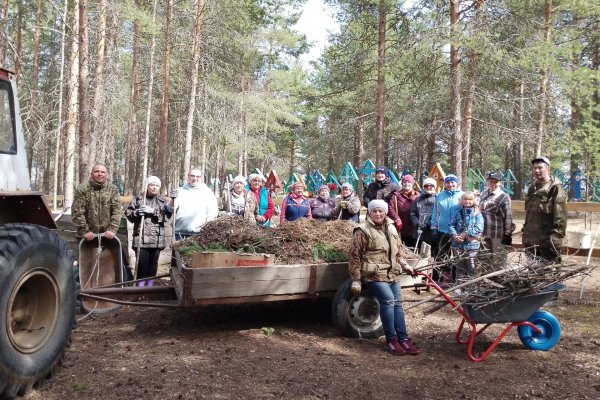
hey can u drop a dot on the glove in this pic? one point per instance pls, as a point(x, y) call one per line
point(173, 194)
point(507, 240)
point(407, 268)
point(356, 288)
point(146, 210)
point(557, 242)
point(398, 224)
point(343, 205)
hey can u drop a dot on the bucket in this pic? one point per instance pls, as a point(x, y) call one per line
point(585, 240)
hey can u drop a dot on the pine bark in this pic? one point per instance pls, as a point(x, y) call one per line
point(72, 108)
point(455, 95)
point(84, 120)
point(380, 134)
point(163, 136)
point(97, 130)
point(543, 94)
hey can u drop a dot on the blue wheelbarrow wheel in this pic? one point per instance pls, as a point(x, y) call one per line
point(547, 338)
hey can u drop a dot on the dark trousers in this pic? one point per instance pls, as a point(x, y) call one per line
point(148, 263)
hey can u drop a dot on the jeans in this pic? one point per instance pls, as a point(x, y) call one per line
point(390, 308)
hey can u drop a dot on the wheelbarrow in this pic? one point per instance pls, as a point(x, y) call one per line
point(100, 264)
point(537, 329)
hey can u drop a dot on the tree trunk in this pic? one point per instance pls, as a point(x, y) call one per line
point(146, 136)
point(19, 40)
point(241, 128)
point(3, 33)
point(541, 120)
point(32, 133)
point(131, 145)
point(187, 153)
point(60, 106)
point(380, 134)
point(518, 111)
point(84, 121)
point(72, 109)
point(97, 103)
point(455, 97)
point(468, 106)
point(163, 135)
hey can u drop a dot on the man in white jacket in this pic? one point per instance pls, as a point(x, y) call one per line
point(196, 204)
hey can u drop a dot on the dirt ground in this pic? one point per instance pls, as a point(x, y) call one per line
point(293, 351)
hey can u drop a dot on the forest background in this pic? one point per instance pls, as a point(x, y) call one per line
point(157, 86)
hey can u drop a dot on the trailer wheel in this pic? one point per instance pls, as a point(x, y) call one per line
point(356, 316)
point(544, 340)
point(37, 305)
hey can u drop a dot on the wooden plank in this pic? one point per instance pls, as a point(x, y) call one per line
point(249, 274)
point(261, 299)
point(255, 288)
point(580, 206)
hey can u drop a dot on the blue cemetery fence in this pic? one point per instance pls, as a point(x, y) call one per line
point(367, 172)
point(349, 175)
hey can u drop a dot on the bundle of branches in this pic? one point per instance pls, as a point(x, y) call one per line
point(525, 275)
point(302, 241)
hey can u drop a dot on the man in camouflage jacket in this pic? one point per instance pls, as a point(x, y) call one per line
point(96, 206)
point(545, 213)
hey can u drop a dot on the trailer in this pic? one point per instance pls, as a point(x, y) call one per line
point(217, 280)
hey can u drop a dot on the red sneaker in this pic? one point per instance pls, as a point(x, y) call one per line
point(394, 347)
point(409, 347)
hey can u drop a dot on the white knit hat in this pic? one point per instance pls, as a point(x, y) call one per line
point(377, 204)
point(239, 178)
point(153, 179)
point(251, 177)
point(430, 181)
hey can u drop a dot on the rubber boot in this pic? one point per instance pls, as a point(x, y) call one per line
point(150, 283)
point(141, 284)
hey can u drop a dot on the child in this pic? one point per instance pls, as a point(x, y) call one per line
point(466, 227)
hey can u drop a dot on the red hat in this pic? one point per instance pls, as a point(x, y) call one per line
point(408, 178)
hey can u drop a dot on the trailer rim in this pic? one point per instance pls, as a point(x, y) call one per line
point(33, 311)
point(363, 312)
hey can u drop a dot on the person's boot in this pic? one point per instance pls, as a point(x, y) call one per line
point(150, 283)
point(394, 347)
point(141, 284)
point(409, 347)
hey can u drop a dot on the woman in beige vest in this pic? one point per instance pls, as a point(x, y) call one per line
point(376, 259)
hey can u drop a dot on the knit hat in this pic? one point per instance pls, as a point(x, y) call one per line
point(377, 204)
point(251, 177)
point(323, 187)
point(348, 185)
point(382, 169)
point(451, 178)
point(153, 179)
point(430, 181)
point(293, 185)
point(239, 178)
point(408, 178)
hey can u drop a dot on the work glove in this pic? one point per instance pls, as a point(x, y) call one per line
point(407, 268)
point(173, 194)
point(356, 288)
point(557, 242)
point(398, 224)
point(146, 210)
point(343, 205)
point(507, 240)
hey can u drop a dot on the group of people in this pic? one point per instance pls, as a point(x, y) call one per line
point(454, 223)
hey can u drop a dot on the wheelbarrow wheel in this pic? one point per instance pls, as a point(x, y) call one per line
point(547, 338)
point(356, 316)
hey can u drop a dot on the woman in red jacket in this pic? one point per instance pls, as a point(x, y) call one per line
point(400, 203)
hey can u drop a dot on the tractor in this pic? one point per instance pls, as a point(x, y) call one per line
point(38, 277)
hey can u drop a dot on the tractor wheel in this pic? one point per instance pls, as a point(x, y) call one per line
point(356, 316)
point(549, 335)
point(37, 305)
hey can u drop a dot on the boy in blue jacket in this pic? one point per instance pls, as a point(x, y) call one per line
point(466, 228)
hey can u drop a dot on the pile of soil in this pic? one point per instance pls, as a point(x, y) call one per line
point(295, 242)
